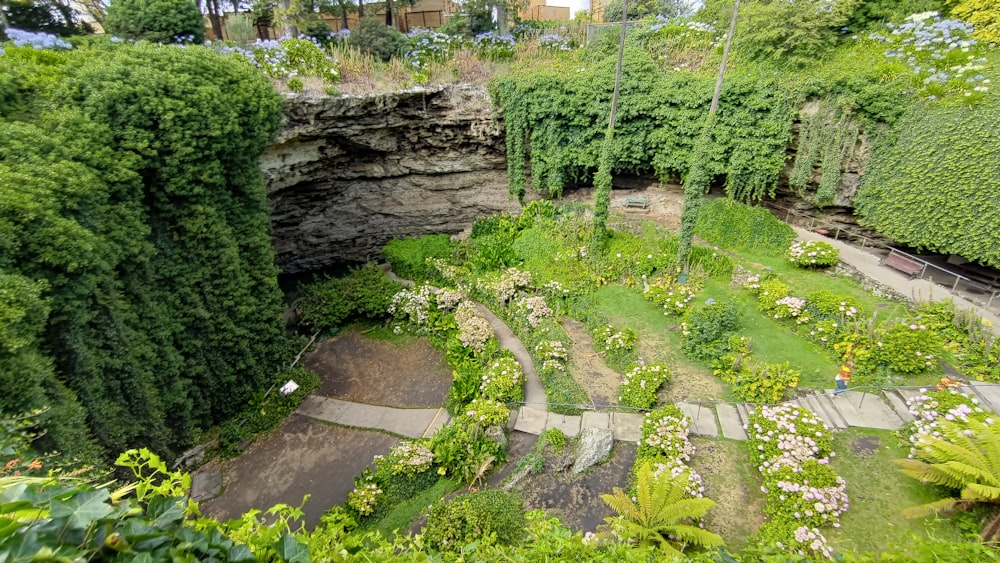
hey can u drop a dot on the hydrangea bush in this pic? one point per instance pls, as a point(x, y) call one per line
point(410, 458)
point(930, 407)
point(427, 46)
point(664, 443)
point(908, 347)
point(554, 42)
point(641, 384)
point(812, 254)
point(553, 354)
point(533, 309)
point(493, 46)
point(792, 448)
point(365, 497)
point(286, 59)
point(485, 413)
point(672, 296)
point(35, 40)
point(474, 331)
point(503, 380)
point(941, 54)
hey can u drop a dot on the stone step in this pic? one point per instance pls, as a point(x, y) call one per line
point(820, 404)
point(569, 424)
point(702, 419)
point(847, 409)
point(989, 395)
point(898, 405)
point(744, 410)
point(872, 411)
point(594, 419)
point(531, 420)
point(626, 426)
point(730, 421)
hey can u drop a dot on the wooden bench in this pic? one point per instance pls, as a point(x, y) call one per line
point(636, 201)
point(908, 266)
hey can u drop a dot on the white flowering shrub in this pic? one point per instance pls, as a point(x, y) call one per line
point(812, 254)
point(641, 385)
point(410, 458)
point(412, 306)
point(941, 54)
point(474, 331)
point(534, 310)
point(503, 381)
point(664, 442)
point(674, 297)
point(502, 288)
point(908, 347)
point(485, 413)
point(929, 408)
point(553, 355)
point(790, 307)
point(448, 299)
point(365, 497)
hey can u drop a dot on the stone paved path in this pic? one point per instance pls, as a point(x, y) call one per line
point(868, 263)
point(409, 423)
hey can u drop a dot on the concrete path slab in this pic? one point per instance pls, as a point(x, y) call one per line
point(593, 419)
point(989, 393)
point(702, 419)
point(409, 423)
point(847, 409)
point(822, 406)
point(569, 424)
point(873, 411)
point(745, 411)
point(626, 426)
point(530, 420)
point(898, 405)
point(729, 420)
point(440, 419)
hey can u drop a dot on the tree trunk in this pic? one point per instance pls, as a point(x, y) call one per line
point(502, 26)
point(361, 9)
point(697, 180)
point(213, 16)
point(602, 180)
point(388, 13)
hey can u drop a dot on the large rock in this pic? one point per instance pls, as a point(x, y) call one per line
point(347, 174)
point(593, 445)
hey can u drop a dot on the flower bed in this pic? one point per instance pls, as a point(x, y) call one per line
point(641, 384)
point(792, 449)
point(665, 444)
point(930, 407)
point(812, 254)
point(503, 380)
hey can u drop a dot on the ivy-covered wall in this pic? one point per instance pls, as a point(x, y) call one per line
point(138, 290)
point(934, 183)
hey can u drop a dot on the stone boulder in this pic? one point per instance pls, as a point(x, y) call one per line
point(593, 445)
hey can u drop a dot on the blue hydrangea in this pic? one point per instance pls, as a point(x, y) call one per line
point(36, 40)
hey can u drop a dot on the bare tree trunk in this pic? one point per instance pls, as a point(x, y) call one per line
point(697, 179)
point(213, 16)
point(388, 13)
point(502, 27)
point(361, 9)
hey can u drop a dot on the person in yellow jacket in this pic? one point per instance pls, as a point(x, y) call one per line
point(844, 376)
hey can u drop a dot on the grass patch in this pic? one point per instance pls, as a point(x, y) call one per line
point(734, 484)
point(401, 515)
point(879, 492)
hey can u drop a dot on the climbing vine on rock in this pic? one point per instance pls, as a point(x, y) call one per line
point(936, 184)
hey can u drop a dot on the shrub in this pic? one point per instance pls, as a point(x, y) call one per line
point(410, 458)
point(363, 294)
point(239, 29)
point(377, 39)
point(825, 304)
point(426, 46)
point(492, 46)
point(707, 330)
point(503, 380)
point(641, 385)
point(812, 254)
point(764, 383)
point(737, 226)
point(672, 296)
point(908, 348)
point(770, 292)
point(408, 257)
point(158, 21)
point(463, 451)
point(618, 345)
point(490, 517)
point(473, 329)
point(365, 497)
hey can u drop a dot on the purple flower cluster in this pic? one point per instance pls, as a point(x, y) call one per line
point(428, 45)
point(792, 449)
point(930, 408)
point(554, 42)
point(494, 46)
point(941, 54)
point(39, 40)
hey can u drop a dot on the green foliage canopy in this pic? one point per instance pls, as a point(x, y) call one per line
point(133, 211)
point(159, 21)
point(935, 184)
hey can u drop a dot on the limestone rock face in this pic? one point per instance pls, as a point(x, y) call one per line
point(348, 174)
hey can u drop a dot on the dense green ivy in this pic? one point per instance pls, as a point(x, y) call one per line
point(559, 111)
point(134, 235)
point(935, 184)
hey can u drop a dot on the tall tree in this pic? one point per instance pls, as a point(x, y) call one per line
point(602, 179)
point(696, 182)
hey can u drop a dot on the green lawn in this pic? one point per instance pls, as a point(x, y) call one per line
point(878, 493)
point(402, 515)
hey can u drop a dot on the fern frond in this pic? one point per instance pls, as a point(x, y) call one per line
point(927, 473)
point(979, 492)
point(936, 507)
point(696, 536)
point(691, 508)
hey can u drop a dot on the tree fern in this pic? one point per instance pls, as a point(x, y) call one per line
point(660, 513)
point(965, 457)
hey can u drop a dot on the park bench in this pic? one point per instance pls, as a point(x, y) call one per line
point(906, 265)
point(636, 201)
